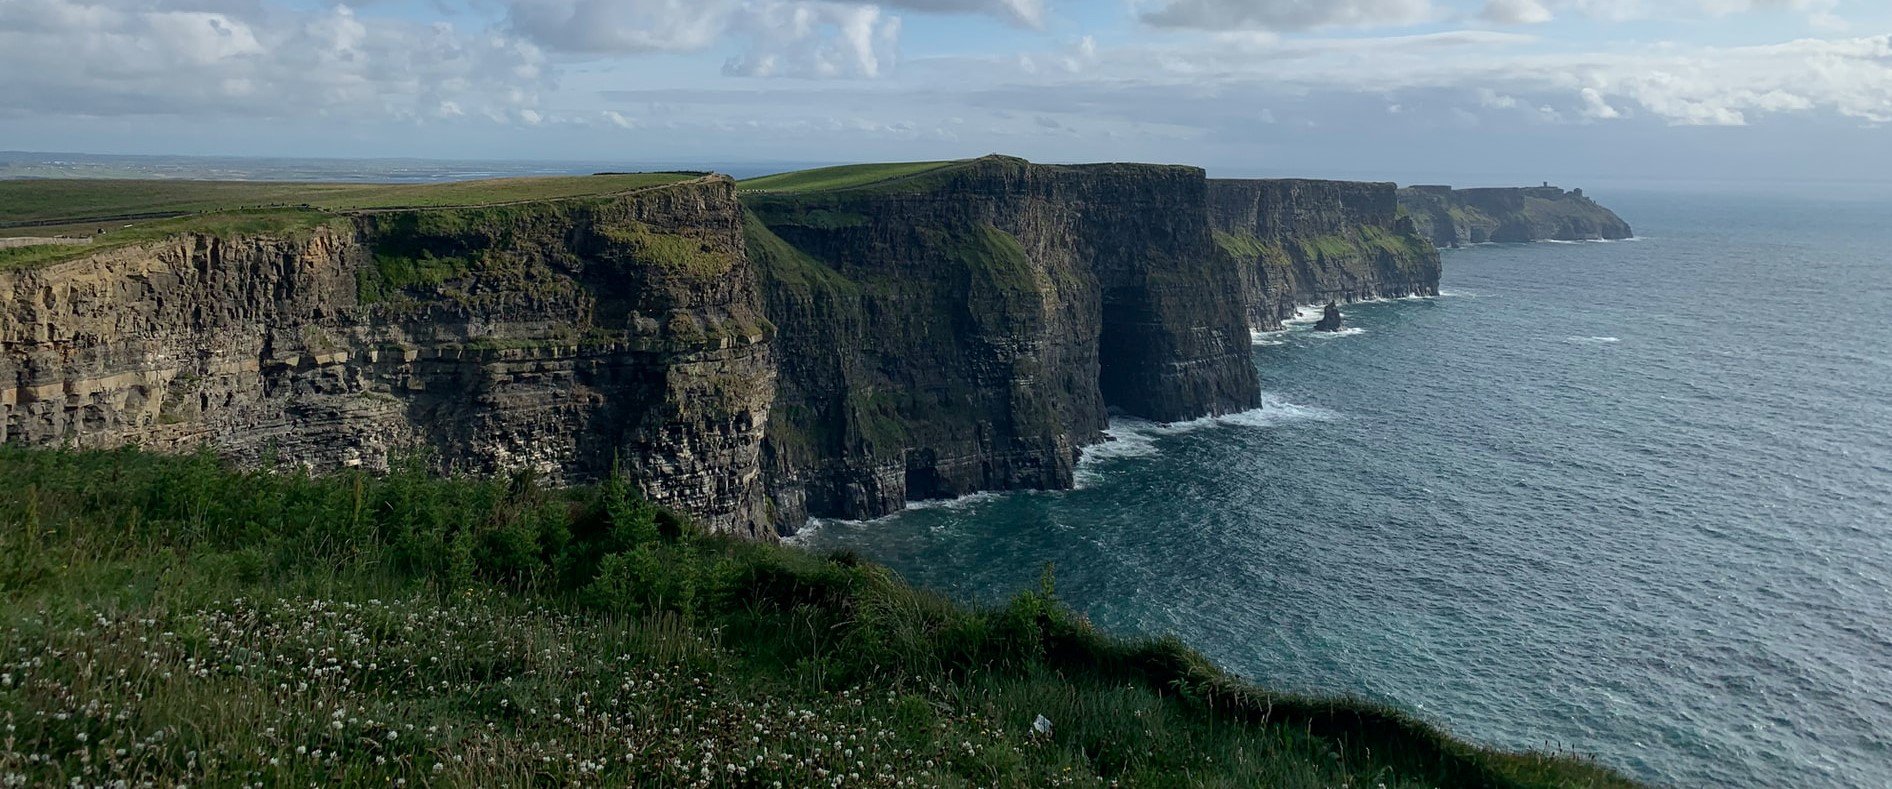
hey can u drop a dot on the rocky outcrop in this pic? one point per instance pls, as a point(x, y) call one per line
point(564, 338)
point(1456, 217)
point(1297, 242)
point(1330, 319)
point(970, 328)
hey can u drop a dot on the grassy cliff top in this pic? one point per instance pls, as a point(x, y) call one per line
point(914, 177)
point(212, 626)
point(63, 202)
point(850, 176)
point(115, 213)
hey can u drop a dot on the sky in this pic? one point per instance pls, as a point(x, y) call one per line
point(1466, 90)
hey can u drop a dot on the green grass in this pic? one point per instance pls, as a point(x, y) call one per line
point(225, 225)
point(132, 212)
point(25, 201)
point(852, 176)
point(168, 620)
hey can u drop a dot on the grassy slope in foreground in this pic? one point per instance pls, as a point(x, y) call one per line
point(134, 212)
point(165, 619)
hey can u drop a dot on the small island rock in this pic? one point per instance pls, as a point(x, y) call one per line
point(1330, 319)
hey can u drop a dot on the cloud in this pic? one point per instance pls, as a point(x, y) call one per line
point(1497, 73)
point(785, 38)
point(621, 26)
point(182, 57)
point(817, 40)
point(625, 27)
point(1515, 12)
point(1030, 13)
point(1288, 15)
point(1820, 13)
point(1596, 107)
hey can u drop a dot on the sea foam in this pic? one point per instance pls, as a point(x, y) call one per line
point(1130, 437)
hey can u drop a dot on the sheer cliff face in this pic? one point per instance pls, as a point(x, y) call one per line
point(830, 353)
point(560, 337)
point(1456, 217)
point(969, 329)
point(1298, 242)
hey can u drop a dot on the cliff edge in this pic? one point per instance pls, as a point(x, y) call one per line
point(1456, 217)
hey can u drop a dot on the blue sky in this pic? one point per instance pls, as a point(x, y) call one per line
point(1464, 90)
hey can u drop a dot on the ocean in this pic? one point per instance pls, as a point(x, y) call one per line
point(1631, 500)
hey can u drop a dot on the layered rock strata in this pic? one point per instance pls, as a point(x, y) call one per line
point(754, 362)
point(971, 328)
point(1299, 242)
point(565, 338)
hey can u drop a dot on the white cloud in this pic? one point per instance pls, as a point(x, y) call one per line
point(1596, 107)
point(1288, 15)
point(1820, 13)
point(1515, 12)
point(1030, 13)
point(1489, 71)
point(816, 40)
point(180, 57)
point(621, 26)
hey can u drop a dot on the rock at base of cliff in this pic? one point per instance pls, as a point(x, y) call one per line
point(1330, 319)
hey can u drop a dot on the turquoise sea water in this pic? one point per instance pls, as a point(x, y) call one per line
point(1629, 499)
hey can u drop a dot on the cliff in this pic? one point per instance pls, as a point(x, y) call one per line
point(1297, 242)
point(830, 343)
point(969, 327)
point(560, 337)
point(1456, 217)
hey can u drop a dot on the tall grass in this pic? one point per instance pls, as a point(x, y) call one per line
point(170, 620)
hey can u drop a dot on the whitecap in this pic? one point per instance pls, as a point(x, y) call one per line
point(1346, 332)
point(1391, 299)
point(1559, 241)
point(956, 503)
point(1130, 437)
point(1306, 313)
point(806, 532)
point(1593, 340)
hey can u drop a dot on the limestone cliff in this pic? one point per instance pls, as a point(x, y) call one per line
point(1297, 242)
point(969, 328)
point(1456, 217)
point(562, 337)
point(834, 350)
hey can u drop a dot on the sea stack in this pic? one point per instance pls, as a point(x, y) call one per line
point(1330, 319)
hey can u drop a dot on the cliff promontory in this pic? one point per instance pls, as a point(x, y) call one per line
point(1299, 242)
point(969, 326)
point(1456, 217)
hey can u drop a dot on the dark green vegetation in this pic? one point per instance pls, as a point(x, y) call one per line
point(170, 620)
point(130, 212)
